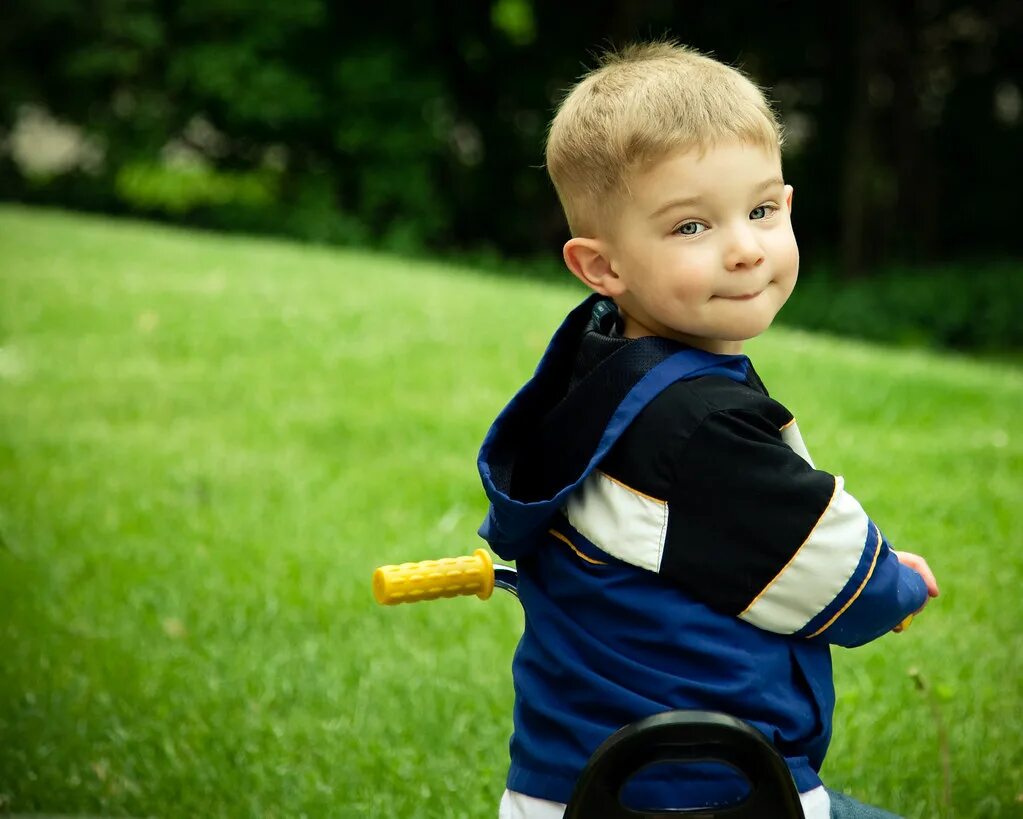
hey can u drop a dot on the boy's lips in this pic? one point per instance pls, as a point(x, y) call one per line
point(743, 296)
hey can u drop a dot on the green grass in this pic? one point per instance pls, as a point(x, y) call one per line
point(208, 443)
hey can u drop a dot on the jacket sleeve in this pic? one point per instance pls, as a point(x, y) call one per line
point(747, 525)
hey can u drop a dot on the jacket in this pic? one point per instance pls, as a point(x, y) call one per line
point(676, 548)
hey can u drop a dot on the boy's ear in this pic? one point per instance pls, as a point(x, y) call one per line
point(788, 197)
point(589, 260)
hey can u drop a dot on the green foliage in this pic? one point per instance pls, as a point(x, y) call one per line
point(294, 116)
point(152, 187)
point(239, 59)
point(384, 129)
point(207, 443)
point(515, 19)
point(961, 306)
point(422, 128)
point(255, 90)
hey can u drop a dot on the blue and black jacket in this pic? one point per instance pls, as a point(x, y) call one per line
point(676, 548)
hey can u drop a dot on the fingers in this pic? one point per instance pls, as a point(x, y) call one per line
point(919, 565)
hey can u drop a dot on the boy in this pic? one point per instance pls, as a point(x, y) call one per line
point(676, 547)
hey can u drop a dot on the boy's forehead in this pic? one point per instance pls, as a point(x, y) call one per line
point(696, 173)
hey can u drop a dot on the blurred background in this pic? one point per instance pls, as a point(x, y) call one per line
point(419, 128)
point(209, 439)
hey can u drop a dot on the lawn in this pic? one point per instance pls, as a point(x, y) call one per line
point(207, 444)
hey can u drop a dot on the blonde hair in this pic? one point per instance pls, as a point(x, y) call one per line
point(639, 105)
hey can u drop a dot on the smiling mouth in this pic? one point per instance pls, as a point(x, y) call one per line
point(745, 297)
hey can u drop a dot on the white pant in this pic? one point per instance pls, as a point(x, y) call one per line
point(816, 805)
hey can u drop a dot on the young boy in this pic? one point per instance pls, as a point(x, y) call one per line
point(676, 546)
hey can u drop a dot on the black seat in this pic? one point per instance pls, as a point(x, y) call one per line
point(686, 736)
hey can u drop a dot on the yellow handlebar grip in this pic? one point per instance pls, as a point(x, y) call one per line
point(431, 579)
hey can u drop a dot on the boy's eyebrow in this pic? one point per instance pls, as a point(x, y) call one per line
point(676, 203)
point(693, 200)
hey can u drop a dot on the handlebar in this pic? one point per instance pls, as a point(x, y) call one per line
point(448, 577)
point(456, 577)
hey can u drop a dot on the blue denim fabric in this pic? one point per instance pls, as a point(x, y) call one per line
point(845, 807)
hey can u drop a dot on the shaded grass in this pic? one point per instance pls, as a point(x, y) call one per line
point(970, 305)
point(207, 443)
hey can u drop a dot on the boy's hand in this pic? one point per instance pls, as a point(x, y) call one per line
point(919, 565)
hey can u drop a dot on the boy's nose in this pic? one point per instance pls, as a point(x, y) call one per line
point(744, 252)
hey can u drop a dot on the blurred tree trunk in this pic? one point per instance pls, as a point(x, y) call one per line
point(917, 177)
point(909, 171)
point(857, 158)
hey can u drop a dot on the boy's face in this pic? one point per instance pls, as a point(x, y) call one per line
point(702, 250)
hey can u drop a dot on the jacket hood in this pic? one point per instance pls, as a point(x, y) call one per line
point(587, 389)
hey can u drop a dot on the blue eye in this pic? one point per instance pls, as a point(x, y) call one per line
point(690, 229)
point(761, 212)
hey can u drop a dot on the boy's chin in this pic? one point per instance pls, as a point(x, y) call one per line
point(745, 331)
point(754, 325)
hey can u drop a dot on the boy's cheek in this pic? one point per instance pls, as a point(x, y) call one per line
point(784, 260)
